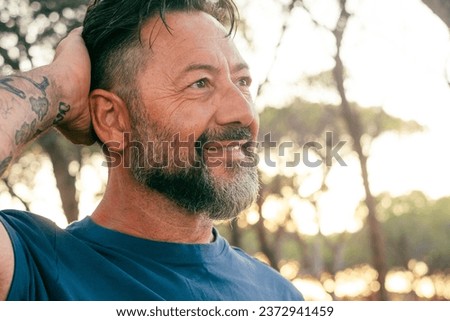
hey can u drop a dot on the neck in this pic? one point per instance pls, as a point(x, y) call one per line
point(133, 209)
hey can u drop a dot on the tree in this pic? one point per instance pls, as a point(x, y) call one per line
point(441, 8)
point(354, 126)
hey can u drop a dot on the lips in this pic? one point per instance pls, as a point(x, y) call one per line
point(225, 146)
point(223, 153)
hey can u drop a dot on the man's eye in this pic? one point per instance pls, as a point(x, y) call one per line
point(202, 83)
point(244, 82)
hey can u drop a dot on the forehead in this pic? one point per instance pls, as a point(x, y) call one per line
point(192, 36)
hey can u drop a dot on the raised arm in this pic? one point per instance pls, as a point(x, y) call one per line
point(31, 103)
point(53, 95)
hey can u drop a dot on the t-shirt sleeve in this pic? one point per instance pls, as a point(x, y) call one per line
point(33, 241)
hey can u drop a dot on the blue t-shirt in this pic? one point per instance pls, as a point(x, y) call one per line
point(88, 262)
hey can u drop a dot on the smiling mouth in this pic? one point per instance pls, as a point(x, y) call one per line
point(229, 146)
point(225, 153)
point(232, 148)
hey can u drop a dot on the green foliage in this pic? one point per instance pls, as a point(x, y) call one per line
point(419, 228)
point(414, 227)
point(356, 250)
point(376, 121)
point(302, 121)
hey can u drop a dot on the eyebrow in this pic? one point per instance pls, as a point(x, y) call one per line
point(240, 67)
point(211, 68)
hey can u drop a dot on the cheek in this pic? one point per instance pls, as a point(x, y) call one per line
point(187, 124)
point(189, 119)
point(176, 114)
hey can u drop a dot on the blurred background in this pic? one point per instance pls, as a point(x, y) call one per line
point(355, 94)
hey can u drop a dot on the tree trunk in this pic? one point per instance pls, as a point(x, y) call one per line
point(353, 123)
point(262, 233)
point(64, 181)
point(440, 8)
point(318, 265)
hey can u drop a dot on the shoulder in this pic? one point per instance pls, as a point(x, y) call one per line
point(29, 232)
point(33, 241)
point(26, 224)
point(22, 234)
point(24, 217)
point(268, 277)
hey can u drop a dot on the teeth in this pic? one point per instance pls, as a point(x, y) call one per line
point(231, 148)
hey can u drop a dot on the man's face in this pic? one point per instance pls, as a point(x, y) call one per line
point(195, 118)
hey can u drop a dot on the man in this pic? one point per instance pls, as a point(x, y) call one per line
point(170, 103)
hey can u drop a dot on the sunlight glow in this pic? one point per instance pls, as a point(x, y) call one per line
point(290, 269)
point(399, 281)
point(419, 268)
point(355, 282)
point(424, 288)
point(312, 289)
point(252, 217)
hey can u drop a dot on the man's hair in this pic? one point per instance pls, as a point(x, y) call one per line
point(112, 30)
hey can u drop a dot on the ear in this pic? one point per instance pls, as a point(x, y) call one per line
point(110, 118)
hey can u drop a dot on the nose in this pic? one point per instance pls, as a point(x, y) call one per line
point(235, 107)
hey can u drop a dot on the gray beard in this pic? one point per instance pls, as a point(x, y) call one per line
point(195, 190)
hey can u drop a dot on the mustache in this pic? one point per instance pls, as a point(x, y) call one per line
point(231, 132)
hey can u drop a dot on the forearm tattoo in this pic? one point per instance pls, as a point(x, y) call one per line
point(25, 132)
point(62, 110)
point(39, 105)
point(5, 111)
point(4, 164)
point(5, 83)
